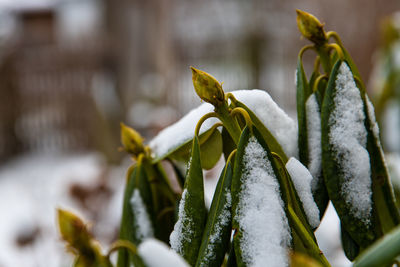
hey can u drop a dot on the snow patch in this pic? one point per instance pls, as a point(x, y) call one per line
point(183, 227)
point(372, 120)
point(313, 117)
point(348, 137)
point(142, 220)
point(223, 220)
point(260, 212)
point(282, 127)
point(155, 253)
point(181, 131)
point(302, 180)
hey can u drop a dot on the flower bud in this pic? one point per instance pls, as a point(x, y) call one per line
point(73, 230)
point(311, 28)
point(131, 140)
point(207, 87)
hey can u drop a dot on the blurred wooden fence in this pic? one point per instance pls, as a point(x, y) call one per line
point(46, 98)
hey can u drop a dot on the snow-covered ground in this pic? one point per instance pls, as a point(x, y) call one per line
point(33, 186)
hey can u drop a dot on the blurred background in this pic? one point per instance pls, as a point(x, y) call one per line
point(71, 70)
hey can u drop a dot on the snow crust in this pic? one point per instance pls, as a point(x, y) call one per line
point(222, 220)
point(371, 115)
point(260, 212)
point(313, 117)
point(348, 137)
point(181, 131)
point(302, 180)
point(142, 220)
point(33, 185)
point(155, 254)
point(283, 128)
point(182, 228)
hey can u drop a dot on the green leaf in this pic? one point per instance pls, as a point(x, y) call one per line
point(211, 150)
point(188, 231)
point(383, 194)
point(303, 238)
point(235, 189)
point(217, 232)
point(350, 62)
point(126, 229)
point(361, 231)
point(136, 179)
point(381, 253)
point(231, 262)
point(303, 92)
point(290, 196)
point(240, 187)
point(350, 247)
point(301, 260)
point(162, 201)
point(228, 145)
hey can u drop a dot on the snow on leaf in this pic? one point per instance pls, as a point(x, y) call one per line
point(142, 222)
point(155, 253)
point(260, 102)
point(183, 227)
point(314, 139)
point(302, 180)
point(260, 212)
point(348, 137)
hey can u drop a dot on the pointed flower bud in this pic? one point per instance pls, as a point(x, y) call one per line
point(131, 140)
point(207, 87)
point(311, 28)
point(73, 230)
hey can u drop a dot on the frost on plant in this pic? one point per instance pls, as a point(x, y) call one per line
point(223, 219)
point(302, 181)
point(142, 222)
point(182, 131)
point(183, 227)
point(260, 102)
point(282, 127)
point(314, 139)
point(260, 212)
point(348, 137)
point(272, 214)
point(155, 254)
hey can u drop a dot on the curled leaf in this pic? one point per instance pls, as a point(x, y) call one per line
point(188, 230)
point(217, 231)
point(345, 158)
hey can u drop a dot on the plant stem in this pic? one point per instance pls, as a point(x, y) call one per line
point(323, 52)
point(122, 244)
point(229, 122)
